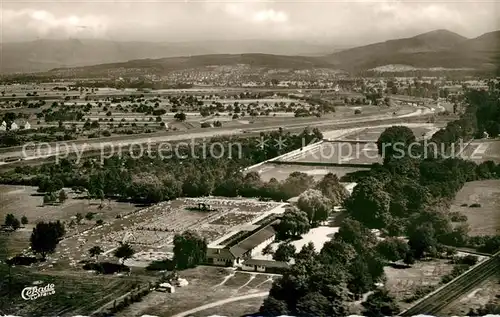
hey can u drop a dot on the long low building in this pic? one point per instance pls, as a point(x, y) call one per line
point(267, 266)
point(241, 246)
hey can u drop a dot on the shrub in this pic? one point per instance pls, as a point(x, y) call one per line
point(106, 267)
point(457, 217)
point(165, 265)
point(21, 260)
point(475, 205)
point(458, 269)
point(420, 292)
point(466, 260)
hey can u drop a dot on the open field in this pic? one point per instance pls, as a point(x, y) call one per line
point(281, 172)
point(374, 133)
point(206, 285)
point(486, 150)
point(340, 153)
point(76, 293)
point(353, 153)
point(483, 150)
point(402, 283)
point(25, 201)
point(484, 220)
point(480, 296)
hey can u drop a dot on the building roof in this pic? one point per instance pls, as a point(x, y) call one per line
point(252, 241)
point(219, 253)
point(267, 263)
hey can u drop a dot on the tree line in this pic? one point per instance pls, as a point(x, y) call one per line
point(191, 173)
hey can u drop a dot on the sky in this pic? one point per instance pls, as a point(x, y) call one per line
point(341, 22)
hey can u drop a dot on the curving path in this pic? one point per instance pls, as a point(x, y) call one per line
point(220, 303)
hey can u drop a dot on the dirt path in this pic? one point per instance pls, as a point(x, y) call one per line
point(219, 303)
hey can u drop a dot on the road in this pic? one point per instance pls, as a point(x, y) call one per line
point(62, 149)
point(220, 302)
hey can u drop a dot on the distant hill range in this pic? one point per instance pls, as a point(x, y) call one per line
point(43, 55)
point(439, 48)
point(165, 65)
point(436, 49)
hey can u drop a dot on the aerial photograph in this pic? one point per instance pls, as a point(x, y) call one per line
point(232, 158)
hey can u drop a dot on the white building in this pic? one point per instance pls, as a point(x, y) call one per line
point(20, 124)
point(242, 247)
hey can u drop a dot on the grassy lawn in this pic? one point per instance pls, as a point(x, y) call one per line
point(205, 286)
point(281, 172)
point(236, 309)
point(374, 133)
point(484, 220)
point(25, 201)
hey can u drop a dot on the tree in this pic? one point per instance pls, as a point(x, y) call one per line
point(24, 220)
point(314, 304)
point(89, 216)
point(284, 252)
point(422, 240)
point(79, 218)
point(394, 142)
point(361, 280)
point(357, 235)
point(369, 203)
point(337, 251)
point(124, 252)
point(189, 249)
point(62, 196)
point(331, 188)
point(315, 205)
point(307, 252)
point(293, 223)
point(268, 249)
point(45, 237)
point(12, 221)
point(380, 304)
point(180, 116)
point(393, 249)
point(95, 251)
point(274, 307)
point(296, 184)
point(49, 198)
